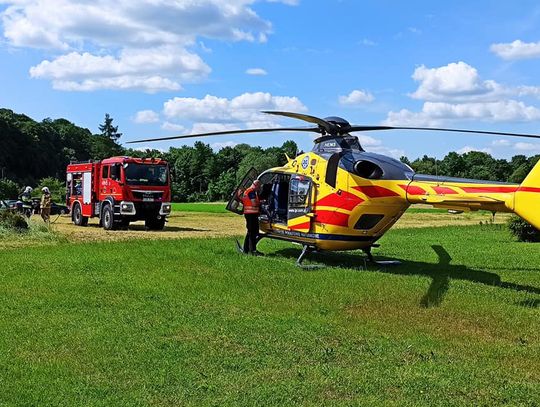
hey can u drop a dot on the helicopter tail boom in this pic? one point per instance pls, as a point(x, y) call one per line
point(527, 198)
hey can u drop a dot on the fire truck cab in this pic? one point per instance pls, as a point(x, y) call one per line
point(119, 190)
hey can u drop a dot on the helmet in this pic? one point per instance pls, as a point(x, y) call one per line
point(45, 190)
point(28, 190)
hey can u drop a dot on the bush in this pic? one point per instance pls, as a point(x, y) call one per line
point(523, 231)
point(13, 221)
point(8, 189)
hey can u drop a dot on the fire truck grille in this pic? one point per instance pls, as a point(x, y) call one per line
point(148, 195)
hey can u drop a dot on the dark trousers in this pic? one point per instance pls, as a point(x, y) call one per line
point(252, 226)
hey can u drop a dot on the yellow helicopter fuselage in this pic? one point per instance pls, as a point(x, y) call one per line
point(353, 212)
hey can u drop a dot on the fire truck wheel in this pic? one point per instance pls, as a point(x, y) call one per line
point(107, 218)
point(155, 224)
point(78, 218)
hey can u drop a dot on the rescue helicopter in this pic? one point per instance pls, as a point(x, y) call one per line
point(340, 197)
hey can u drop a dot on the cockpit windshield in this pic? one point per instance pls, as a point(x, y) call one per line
point(146, 174)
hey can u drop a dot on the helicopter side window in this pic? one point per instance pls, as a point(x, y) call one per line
point(299, 192)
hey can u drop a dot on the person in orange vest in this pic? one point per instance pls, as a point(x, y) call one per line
point(252, 209)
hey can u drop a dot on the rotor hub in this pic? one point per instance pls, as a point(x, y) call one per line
point(338, 125)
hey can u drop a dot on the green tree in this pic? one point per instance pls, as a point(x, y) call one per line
point(405, 160)
point(221, 188)
point(290, 148)
point(8, 189)
point(108, 130)
point(426, 165)
point(56, 187)
point(453, 165)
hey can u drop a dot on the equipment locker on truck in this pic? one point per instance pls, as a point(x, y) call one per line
point(120, 190)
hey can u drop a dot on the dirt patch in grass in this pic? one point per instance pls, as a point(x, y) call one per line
point(180, 225)
point(201, 224)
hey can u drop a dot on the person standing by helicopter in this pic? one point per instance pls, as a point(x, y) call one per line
point(45, 204)
point(25, 205)
point(252, 208)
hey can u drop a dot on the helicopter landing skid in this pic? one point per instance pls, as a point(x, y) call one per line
point(238, 247)
point(305, 250)
point(380, 262)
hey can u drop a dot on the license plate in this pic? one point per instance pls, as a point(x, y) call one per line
point(148, 198)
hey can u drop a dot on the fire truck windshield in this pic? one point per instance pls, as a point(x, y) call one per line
point(146, 174)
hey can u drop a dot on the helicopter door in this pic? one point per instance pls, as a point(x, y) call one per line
point(299, 213)
point(235, 203)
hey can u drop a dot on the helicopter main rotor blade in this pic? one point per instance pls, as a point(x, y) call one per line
point(221, 133)
point(495, 133)
point(305, 117)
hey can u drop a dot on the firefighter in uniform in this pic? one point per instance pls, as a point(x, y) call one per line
point(252, 205)
point(25, 205)
point(45, 206)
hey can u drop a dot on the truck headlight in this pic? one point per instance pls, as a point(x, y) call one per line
point(165, 209)
point(127, 208)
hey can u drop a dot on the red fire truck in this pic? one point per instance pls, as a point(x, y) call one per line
point(119, 190)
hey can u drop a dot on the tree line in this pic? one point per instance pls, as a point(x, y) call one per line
point(37, 154)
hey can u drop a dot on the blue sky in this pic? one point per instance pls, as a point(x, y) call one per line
point(163, 67)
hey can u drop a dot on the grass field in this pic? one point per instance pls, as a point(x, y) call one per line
point(191, 322)
point(210, 207)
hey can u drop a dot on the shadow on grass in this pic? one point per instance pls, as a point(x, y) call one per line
point(441, 273)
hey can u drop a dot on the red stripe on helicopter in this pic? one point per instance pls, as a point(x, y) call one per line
point(444, 190)
point(305, 225)
point(479, 190)
point(374, 191)
point(345, 200)
point(413, 190)
point(332, 218)
point(528, 189)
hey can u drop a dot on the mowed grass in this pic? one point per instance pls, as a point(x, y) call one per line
point(191, 322)
point(208, 207)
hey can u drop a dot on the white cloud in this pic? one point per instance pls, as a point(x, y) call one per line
point(367, 42)
point(436, 113)
point(460, 82)
point(519, 147)
point(356, 97)
point(243, 108)
point(173, 127)
point(468, 149)
point(146, 116)
point(530, 148)
point(376, 145)
point(201, 127)
point(138, 40)
point(288, 2)
point(516, 50)
point(150, 70)
point(219, 146)
point(455, 80)
point(456, 92)
point(256, 72)
point(392, 152)
point(501, 143)
point(368, 140)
